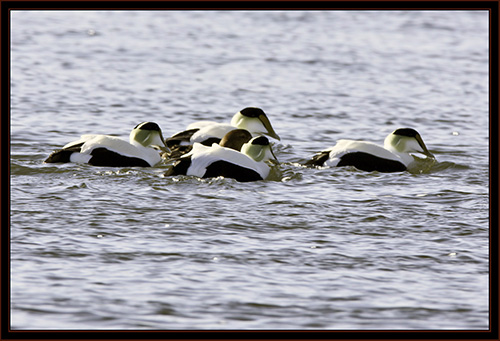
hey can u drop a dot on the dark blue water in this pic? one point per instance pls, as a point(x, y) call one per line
point(106, 248)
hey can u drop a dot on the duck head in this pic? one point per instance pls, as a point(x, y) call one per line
point(259, 149)
point(406, 140)
point(147, 134)
point(235, 139)
point(254, 120)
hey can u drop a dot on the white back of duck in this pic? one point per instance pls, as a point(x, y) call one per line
point(200, 124)
point(344, 146)
point(203, 156)
point(217, 130)
point(112, 143)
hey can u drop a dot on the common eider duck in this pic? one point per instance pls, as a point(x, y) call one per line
point(233, 139)
point(143, 150)
point(217, 160)
point(252, 119)
point(394, 156)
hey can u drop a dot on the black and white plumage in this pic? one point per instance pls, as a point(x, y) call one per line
point(212, 161)
point(142, 150)
point(252, 119)
point(233, 139)
point(394, 156)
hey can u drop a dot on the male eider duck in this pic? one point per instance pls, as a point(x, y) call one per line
point(104, 150)
point(394, 156)
point(207, 132)
point(217, 160)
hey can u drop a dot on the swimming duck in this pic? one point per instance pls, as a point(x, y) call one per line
point(233, 139)
point(208, 132)
point(220, 160)
point(104, 150)
point(394, 156)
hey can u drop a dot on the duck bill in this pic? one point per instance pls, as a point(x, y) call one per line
point(426, 152)
point(162, 139)
point(274, 159)
point(270, 131)
point(159, 142)
point(274, 156)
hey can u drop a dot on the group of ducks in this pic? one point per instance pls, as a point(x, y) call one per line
point(238, 150)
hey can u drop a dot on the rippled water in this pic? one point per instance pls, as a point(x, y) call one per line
point(106, 248)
